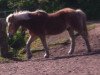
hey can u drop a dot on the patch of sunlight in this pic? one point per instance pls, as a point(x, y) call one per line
point(91, 26)
point(37, 45)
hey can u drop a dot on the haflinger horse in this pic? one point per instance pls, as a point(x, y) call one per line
point(40, 23)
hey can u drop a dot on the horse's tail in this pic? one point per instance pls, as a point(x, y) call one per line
point(82, 17)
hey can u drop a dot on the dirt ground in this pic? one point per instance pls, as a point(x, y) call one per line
point(59, 62)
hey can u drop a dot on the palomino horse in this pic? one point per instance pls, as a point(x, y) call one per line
point(40, 23)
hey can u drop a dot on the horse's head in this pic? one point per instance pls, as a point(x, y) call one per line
point(12, 25)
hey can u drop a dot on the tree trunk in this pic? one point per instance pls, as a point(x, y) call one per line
point(3, 39)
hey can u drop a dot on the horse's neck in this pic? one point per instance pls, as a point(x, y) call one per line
point(24, 23)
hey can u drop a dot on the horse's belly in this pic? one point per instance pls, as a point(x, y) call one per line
point(54, 30)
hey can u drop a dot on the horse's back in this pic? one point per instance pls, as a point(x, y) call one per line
point(58, 21)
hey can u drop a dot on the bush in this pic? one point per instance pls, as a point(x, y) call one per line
point(16, 43)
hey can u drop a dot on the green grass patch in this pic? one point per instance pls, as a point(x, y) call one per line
point(4, 60)
point(90, 26)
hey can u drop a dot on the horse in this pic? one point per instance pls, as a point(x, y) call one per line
point(40, 23)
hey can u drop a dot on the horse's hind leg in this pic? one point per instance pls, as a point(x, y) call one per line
point(85, 37)
point(72, 38)
point(43, 40)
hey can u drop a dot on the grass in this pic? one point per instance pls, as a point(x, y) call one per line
point(4, 60)
point(37, 45)
point(90, 26)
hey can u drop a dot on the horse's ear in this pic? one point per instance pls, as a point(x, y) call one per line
point(12, 18)
point(16, 10)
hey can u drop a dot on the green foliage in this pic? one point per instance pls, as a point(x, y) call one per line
point(17, 42)
point(91, 7)
point(3, 5)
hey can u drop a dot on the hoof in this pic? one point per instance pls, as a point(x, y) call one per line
point(29, 56)
point(46, 56)
point(70, 53)
point(89, 51)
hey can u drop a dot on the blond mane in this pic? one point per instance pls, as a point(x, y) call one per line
point(23, 15)
point(38, 10)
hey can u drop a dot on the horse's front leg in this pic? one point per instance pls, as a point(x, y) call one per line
point(72, 39)
point(27, 48)
point(43, 40)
